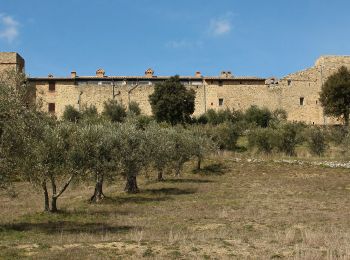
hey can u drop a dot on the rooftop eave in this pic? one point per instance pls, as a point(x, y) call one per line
point(155, 78)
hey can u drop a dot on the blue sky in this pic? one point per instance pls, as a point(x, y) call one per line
point(125, 37)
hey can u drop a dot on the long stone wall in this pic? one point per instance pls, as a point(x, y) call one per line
point(297, 93)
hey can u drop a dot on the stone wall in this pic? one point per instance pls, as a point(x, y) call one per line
point(297, 93)
point(11, 61)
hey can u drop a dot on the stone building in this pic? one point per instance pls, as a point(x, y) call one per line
point(297, 93)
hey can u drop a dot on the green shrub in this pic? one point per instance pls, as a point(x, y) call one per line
point(219, 117)
point(134, 108)
point(289, 135)
point(337, 134)
point(202, 119)
point(316, 141)
point(142, 121)
point(264, 139)
point(226, 135)
point(260, 116)
point(113, 111)
point(71, 114)
point(89, 112)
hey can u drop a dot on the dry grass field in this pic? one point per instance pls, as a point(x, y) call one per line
point(229, 210)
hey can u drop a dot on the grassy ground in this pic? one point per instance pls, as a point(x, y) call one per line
point(230, 210)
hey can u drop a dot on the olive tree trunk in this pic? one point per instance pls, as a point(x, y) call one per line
point(199, 161)
point(98, 193)
point(53, 197)
point(160, 175)
point(46, 197)
point(131, 184)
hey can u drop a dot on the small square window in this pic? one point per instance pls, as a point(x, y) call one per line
point(289, 82)
point(52, 86)
point(220, 83)
point(301, 100)
point(52, 107)
point(221, 101)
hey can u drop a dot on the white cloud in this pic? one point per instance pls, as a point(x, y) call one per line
point(220, 26)
point(8, 28)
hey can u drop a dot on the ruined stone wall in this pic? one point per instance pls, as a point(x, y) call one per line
point(297, 93)
point(11, 61)
point(307, 84)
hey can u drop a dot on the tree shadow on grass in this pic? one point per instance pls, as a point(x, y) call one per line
point(170, 191)
point(138, 198)
point(65, 226)
point(187, 181)
point(212, 169)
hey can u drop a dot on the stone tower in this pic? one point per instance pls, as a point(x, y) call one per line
point(11, 61)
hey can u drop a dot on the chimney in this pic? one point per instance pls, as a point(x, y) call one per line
point(226, 74)
point(73, 74)
point(149, 73)
point(50, 76)
point(100, 73)
point(198, 74)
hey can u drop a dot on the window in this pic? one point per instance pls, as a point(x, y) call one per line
point(301, 100)
point(289, 82)
point(316, 102)
point(221, 101)
point(52, 86)
point(52, 107)
point(220, 83)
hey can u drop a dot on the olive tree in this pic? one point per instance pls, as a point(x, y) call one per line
point(202, 144)
point(16, 120)
point(161, 148)
point(183, 151)
point(93, 154)
point(46, 164)
point(132, 153)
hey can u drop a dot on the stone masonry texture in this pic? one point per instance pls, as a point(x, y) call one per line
point(297, 93)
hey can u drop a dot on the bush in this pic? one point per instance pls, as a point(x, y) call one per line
point(89, 112)
point(219, 117)
point(114, 111)
point(288, 137)
point(202, 119)
point(264, 139)
point(225, 135)
point(337, 134)
point(278, 116)
point(134, 108)
point(71, 114)
point(142, 121)
point(260, 116)
point(316, 141)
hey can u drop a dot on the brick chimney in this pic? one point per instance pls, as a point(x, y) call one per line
point(73, 74)
point(226, 74)
point(198, 74)
point(149, 73)
point(100, 73)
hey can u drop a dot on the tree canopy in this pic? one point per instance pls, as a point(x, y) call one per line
point(335, 95)
point(172, 102)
